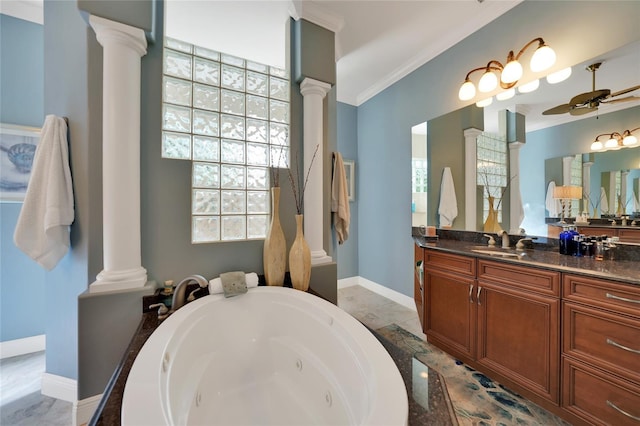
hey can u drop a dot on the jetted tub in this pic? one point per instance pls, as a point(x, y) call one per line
point(272, 356)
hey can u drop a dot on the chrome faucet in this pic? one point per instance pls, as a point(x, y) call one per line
point(505, 238)
point(178, 300)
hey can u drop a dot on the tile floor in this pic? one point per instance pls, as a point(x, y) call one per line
point(21, 403)
point(476, 399)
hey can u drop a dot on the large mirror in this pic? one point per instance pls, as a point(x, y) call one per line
point(557, 136)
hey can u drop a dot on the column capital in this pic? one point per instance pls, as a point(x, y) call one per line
point(472, 132)
point(309, 86)
point(108, 31)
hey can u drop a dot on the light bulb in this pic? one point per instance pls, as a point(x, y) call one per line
point(467, 91)
point(507, 94)
point(488, 82)
point(559, 76)
point(629, 140)
point(529, 87)
point(611, 143)
point(512, 72)
point(543, 58)
point(596, 146)
point(485, 102)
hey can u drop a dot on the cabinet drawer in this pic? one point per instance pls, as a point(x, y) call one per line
point(629, 235)
point(602, 338)
point(450, 262)
point(599, 398)
point(623, 298)
point(527, 278)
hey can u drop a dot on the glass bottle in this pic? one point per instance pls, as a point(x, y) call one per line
point(563, 240)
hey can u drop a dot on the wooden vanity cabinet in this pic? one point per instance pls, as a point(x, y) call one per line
point(418, 282)
point(519, 325)
point(601, 350)
point(450, 309)
point(626, 235)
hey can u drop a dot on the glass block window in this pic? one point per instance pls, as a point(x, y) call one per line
point(230, 117)
point(576, 180)
point(419, 175)
point(492, 170)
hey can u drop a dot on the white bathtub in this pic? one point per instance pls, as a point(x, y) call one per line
point(273, 356)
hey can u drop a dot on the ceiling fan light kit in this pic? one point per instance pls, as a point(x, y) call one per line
point(588, 102)
point(543, 58)
point(615, 141)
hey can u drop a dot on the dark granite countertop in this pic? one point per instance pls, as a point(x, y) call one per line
point(627, 270)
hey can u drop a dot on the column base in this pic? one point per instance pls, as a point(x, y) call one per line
point(119, 280)
point(320, 257)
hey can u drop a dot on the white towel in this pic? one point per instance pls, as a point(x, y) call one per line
point(553, 205)
point(42, 231)
point(340, 199)
point(604, 204)
point(215, 285)
point(448, 208)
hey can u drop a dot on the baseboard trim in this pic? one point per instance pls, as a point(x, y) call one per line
point(396, 296)
point(27, 345)
point(59, 387)
point(84, 409)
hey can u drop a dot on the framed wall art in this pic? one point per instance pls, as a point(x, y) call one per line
point(17, 149)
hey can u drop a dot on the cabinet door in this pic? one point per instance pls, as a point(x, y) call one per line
point(518, 337)
point(450, 312)
point(418, 282)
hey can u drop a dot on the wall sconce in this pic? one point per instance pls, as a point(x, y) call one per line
point(615, 141)
point(543, 58)
point(564, 193)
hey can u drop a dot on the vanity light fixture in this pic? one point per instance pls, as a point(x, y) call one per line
point(543, 58)
point(529, 87)
point(559, 76)
point(485, 102)
point(615, 141)
point(507, 94)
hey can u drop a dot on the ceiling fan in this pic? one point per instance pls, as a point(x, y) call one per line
point(585, 103)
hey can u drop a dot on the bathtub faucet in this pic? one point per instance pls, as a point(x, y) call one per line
point(179, 293)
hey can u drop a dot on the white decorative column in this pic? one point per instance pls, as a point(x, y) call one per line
point(123, 47)
point(566, 170)
point(470, 178)
point(586, 187)
point(314, 92)
point(624, 174)
point(516, 210)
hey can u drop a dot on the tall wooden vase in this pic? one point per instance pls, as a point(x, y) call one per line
point(491, 224)
point(274, 256)
point(300, 259)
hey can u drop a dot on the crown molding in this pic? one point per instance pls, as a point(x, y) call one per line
point(434, 49)
point(28, 10)
point(300, 9)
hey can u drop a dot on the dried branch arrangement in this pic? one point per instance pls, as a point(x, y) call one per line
point(485, 179)
point(298, 192)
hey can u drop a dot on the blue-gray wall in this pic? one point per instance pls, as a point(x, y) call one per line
point(347, 123)
point(22, 285)
point(385, 247)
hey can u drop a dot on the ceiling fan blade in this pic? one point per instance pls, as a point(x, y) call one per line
point(625, 99)
point(582, 111)
point(622, 92)
point(560, 109)
point(588, 97)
